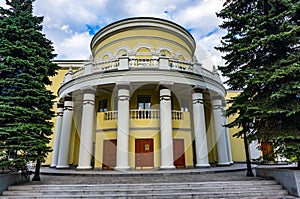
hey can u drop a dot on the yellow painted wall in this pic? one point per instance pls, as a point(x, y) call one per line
point(133, 38)
point(188, 145)
point(56, 81)
point(210, 135)
point(237, 144)
point(100, 137)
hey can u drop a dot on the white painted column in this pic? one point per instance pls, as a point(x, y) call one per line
point(220, 132)
point(87, 127)
point(122, 162)
point(200, 129)
point(166, 137)
point(58, 124)
point(227, 138)
point(66, 129)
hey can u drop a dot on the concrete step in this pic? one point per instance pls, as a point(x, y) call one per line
point(163, 195)
point(133, 190)
point(145, 185)
point(224, 189)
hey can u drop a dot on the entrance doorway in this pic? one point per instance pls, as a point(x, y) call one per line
point(109, 154)
point(144, 156)
point(178, 153)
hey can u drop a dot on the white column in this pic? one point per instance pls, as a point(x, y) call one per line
point(66, 129)
point(122, 162)
point(166, 137)
point(87, 126)
point(59, 118)
point(200, 130)
point(228, 141)
point(220, 132)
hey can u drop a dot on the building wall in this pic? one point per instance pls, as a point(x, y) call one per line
point(131, 39)
point(237, 144)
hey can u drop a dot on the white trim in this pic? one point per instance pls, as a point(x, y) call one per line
point(143, 45)
point(107, 53)
point(127, 48)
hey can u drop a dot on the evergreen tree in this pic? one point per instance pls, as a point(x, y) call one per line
point(262, 61)
point(25, 103)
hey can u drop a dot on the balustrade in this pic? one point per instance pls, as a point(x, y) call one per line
point(111, 115)
point(180, 65)
point(176, 115)
point(143, 114)
point(145, 63)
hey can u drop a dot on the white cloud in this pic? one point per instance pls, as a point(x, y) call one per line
point(66, 22)
point(75, 47)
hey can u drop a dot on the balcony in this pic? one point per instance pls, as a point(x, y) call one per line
point(128, 63)
point(142, 118)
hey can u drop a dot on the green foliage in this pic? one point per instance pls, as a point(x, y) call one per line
point(25, 103)
point(263, 61)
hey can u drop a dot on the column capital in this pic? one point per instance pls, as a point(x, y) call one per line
point(165, 85)
point(90, 90)
point(123, 85)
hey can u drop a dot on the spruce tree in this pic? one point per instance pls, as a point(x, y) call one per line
point(25, 103)
point(262, 61)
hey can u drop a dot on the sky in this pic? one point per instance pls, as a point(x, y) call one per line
point(71, 24)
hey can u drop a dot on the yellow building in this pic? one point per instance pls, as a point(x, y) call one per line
point(142, 101)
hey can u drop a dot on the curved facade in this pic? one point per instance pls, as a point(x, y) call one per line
point(141, 102)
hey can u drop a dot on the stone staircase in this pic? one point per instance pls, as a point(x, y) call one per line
point(221, 189)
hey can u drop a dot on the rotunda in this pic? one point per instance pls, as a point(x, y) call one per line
point(142, 101)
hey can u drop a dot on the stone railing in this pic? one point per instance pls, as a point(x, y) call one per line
point(143, 62)
point(143, 114)
point(176, 115)
point(180, 65)
point(107, 65)
point(126, 63)
point(111, 115)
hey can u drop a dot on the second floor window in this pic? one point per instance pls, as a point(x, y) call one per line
point(102, 105)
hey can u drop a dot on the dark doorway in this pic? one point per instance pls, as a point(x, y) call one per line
point(178, 153)
point(109, 154)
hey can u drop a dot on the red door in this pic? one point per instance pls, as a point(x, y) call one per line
point(109, 154)
point(144, 156)
point(178, 153)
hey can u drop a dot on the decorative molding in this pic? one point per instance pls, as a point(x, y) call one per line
point(165, 98)
point(68, 108)
point(216, 107)
point(91, 102)
point(198, 101)
point(141, 37)
point(59, 114)
point(181, 129)
point(123, 98)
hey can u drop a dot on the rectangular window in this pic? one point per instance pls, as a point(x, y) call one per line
point(184, 104)
point(144, 102)
point(102, 105)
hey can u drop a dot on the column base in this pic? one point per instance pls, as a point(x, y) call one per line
point(167, 167)
point(122, 168)
point(203, 165)
point(63, 167)
point(224, 164)
point(83, 167)
point(53, 166)
point(231, 162)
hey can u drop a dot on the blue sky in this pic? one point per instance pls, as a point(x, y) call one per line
point(71, 24)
